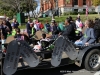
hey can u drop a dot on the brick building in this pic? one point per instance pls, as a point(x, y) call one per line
point(66, 5)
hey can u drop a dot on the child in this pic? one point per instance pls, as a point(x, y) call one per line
point(13, 31)
point(89, 36)
point(38, 47)
point(18, 35)
point(9, 34)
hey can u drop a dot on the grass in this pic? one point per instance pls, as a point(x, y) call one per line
point(62, 19)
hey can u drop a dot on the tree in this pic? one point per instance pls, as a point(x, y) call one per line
point(18, 6)
point(96, 2)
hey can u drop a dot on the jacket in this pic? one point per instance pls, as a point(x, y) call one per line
point(69, 31)
point(89, 36)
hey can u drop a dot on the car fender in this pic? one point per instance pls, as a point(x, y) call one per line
point(82, 53)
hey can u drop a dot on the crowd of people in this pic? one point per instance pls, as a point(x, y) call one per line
point(70, 29)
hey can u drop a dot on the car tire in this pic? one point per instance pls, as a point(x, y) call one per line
point(92, 60)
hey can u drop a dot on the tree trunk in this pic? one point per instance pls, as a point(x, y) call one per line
point(28, 15)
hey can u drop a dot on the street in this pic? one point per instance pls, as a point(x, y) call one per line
point(71, 69)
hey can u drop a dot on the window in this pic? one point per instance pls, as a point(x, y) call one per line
point(76, 10)
point(84, 10)
point(84, 2)
point(75, 2)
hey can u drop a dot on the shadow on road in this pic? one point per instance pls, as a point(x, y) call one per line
point(55, 71)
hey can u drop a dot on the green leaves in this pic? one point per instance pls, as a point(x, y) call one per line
point(96, 2)
point(17, 6)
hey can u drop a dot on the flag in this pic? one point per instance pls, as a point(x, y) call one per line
point(87, 11)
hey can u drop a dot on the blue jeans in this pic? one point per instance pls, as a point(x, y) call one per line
point(78, 43)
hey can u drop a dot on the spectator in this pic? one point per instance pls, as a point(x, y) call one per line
point(33, 29)
point(15, 23)
point(18, 35)
point(78, 21)
point(47, 27)
point(28, 27)
point(36, 25)
point(9, 33)
point(3, 41)
point(89, 36)
point(55, 30)
point(13, 31)
point(41, 26)
point(5, 28)
point(8, 23)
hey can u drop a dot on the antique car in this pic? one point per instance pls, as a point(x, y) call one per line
point(22, 56)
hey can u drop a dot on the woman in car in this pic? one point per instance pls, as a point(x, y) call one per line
point(88, 37)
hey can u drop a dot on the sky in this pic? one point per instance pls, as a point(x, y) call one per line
point(38, 8)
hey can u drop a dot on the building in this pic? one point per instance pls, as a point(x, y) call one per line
point(66, 5)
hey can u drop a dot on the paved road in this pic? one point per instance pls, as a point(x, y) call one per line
point(66, 70)
point(71, 69)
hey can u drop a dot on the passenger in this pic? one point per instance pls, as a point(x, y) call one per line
point(44, 38)
point(97, 29)
point(37, 48)
point(88, 37)
point(72, 22)
point(69, 30)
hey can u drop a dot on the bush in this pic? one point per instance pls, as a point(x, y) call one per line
point(70, 13)
point(73, 13)
point(81, 13)
point(92, 12)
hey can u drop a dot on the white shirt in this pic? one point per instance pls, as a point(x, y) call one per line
point(77, 23)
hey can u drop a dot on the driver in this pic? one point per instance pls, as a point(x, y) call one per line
point(88, 37)
point(69, 30)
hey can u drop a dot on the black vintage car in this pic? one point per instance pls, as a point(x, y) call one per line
point(21, 52)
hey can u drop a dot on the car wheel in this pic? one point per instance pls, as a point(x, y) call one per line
point(92, 60)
